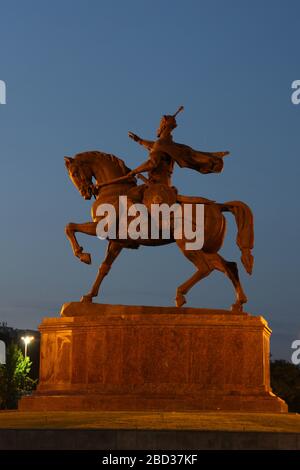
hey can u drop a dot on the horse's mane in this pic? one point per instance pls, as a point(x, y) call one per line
point(85, 157)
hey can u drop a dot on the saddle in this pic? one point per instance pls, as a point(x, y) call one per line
point(158, 193)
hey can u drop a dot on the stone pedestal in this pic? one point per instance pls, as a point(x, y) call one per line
point(113, 357)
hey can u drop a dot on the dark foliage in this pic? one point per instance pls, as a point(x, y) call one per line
point(285, 382)
point(14, 380)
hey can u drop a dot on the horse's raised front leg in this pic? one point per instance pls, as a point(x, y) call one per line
point(113, 250)
point(89, 228)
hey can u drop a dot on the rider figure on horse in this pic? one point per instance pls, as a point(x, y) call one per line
point(163, 153)
point(159, 164)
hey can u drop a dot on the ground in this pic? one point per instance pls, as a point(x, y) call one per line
point(201, 421)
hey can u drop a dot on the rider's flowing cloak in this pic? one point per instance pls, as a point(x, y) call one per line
point(186, 157)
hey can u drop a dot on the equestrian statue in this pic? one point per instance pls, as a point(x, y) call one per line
point(106, 177)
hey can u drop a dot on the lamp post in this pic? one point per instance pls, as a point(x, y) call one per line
point(27, 340)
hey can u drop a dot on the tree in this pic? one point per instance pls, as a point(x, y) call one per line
point(285, 382)
point(14, 379)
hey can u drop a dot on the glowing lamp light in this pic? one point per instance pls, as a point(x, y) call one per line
point(27, 340)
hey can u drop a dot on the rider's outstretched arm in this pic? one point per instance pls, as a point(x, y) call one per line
point(146, 166)
point(146, 143)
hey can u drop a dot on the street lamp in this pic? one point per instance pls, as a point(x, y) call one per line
point(27, 340)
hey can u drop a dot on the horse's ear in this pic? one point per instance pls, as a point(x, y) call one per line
point(68, 161)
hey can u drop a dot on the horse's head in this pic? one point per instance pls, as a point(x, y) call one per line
point(88, 170)
point(80, 176)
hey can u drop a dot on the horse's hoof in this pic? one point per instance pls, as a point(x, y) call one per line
point(85, 258)
point(238, 307)
point(86, 298)
point(180, 300)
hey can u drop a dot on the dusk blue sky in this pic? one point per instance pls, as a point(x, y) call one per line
point(79, 75)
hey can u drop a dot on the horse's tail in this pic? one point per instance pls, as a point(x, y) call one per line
point(245, 236)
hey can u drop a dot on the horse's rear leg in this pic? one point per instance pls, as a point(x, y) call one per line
point(113, 251)
point(89, 228)
point(230, 269)
point(206, 263)
point(204, 269)
point(233, 274)
point(187, 285)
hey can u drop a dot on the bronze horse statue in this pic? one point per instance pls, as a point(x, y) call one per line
point(103, 176)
